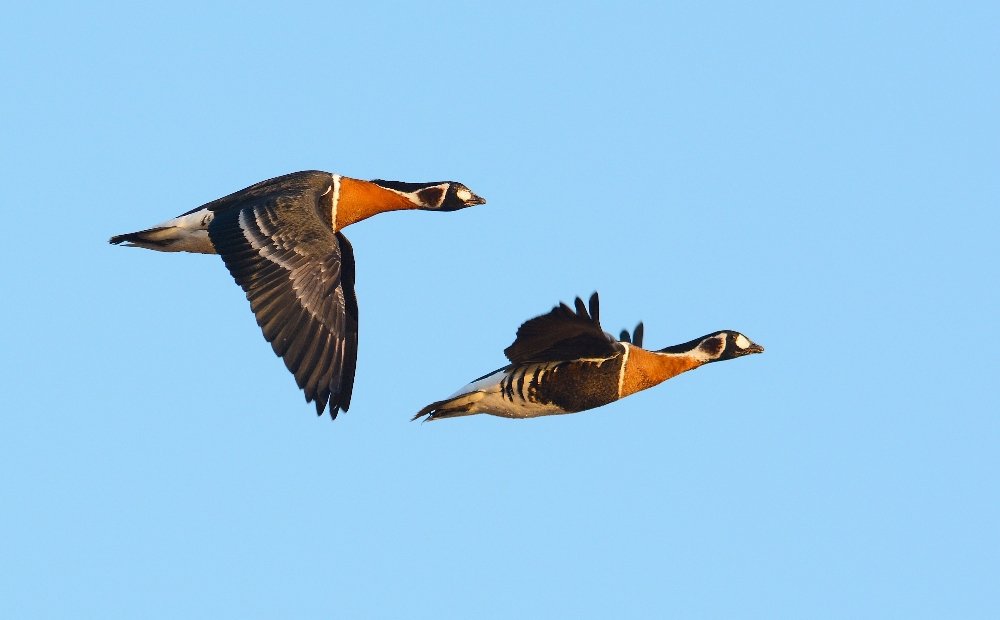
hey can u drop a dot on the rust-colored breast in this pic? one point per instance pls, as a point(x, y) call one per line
point(359, 200)
point(644, 369)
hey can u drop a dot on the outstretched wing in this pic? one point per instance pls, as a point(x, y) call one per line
point(563, 334)
point(298, 275)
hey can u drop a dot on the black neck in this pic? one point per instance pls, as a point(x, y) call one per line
point(402, 186)
point(689, 346)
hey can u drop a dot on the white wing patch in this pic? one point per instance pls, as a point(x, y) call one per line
point(742, 341)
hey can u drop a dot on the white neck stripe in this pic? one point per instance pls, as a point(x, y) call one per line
point(334, 200)
point(415, 198)
point(621, 373)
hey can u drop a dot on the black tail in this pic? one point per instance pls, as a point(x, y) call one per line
point(145, 238)
point(448, 408)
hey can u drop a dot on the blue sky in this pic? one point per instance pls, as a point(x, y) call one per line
point(823, 179)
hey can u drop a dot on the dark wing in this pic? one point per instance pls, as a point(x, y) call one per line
point(563, 334)
point(637, 335)
point(635, 338)
point(299, 278)
point(351, 332)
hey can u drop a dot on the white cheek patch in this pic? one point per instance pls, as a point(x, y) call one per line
point(742, 342)
point(463, 194)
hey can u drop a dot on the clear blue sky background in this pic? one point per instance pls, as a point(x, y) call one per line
point(824, 179)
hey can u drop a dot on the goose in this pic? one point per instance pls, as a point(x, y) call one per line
point(281, 241)
point(563, 362)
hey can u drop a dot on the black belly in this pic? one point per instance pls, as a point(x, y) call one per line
point(576, 386)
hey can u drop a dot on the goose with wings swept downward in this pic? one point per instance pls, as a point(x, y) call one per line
point(281, 241)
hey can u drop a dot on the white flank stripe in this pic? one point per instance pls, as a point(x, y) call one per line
point(484, 384)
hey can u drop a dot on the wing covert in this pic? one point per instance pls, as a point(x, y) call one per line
point(298, 276)
point(563, 334)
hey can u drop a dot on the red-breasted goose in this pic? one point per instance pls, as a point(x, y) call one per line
point(282, 243)
point(563, 362)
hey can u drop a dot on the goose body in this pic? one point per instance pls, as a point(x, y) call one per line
point(564, 362)
point(281, 241)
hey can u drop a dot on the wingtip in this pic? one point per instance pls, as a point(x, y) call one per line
point(335, 410)
point(324, 406)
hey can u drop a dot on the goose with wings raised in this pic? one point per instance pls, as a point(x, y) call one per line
point(563, 362)
point(281, 241)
